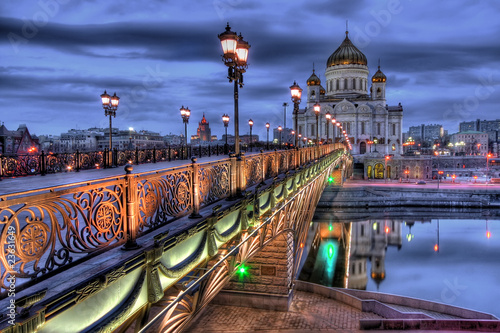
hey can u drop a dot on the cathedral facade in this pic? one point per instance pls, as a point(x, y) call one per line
point(372, 125)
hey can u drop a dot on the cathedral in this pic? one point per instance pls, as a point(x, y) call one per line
point(369, 122)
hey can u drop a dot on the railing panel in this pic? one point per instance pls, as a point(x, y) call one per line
point(214, 181)
point(253, 170)
point(48, 230)
point(20, 166)
point(162, 196)
point(91, 160)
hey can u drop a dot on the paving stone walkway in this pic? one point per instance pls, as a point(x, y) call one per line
point(308, 313)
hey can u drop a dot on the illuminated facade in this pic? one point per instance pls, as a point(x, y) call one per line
point(363, 114)
point(17, 142)
point(203, 132)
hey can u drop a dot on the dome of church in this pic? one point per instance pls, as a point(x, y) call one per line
point(313, 80)
point(322, 90)
point(379, 76)
point(347, 54)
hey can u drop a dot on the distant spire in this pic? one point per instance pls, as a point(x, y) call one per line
point(346, 27)
point(313, 67)
point(379, 63)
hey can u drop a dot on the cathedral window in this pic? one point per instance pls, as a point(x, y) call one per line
point(354, 83)
point(337, 84)
point(362, 127)
point(378, 128)
point(345, 84)
point(393, 129)
point(379, 92)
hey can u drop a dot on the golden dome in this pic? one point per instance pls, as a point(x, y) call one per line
point(322, 90)
point(379, 76)
point(313, 80)
point(347, 54)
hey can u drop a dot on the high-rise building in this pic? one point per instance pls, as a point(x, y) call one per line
point(204, 132)
point(364, 115)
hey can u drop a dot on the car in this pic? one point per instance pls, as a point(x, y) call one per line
point(420, 182)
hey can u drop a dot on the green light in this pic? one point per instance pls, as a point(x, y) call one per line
point(331, 251)
point(331, 179)
point(330, 227)
point(242, 271)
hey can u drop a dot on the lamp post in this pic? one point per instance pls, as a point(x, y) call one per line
point(279, 130)
point(284, 114)
point(317, 110)
point(296, 92)
point(110, 105)
point(288, 138)
point(235, 58)
point(225, 120)
point(267, 128)
point(185, 113)
point(250, 123)
point(488, 156)
point(437, 159)
point(387, 157)
point(328, 118)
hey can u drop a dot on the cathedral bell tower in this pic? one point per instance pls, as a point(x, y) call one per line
point(378, 85)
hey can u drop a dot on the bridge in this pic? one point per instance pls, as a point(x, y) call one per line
point(148, 249)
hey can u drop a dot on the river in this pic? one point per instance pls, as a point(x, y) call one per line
point(448, 260)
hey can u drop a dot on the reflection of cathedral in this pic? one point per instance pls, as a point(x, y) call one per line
point(352, 243)
point(365, 116)
point(369, 240)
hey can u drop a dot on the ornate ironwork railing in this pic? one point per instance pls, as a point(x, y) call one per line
point(50, 228)
point(45, 163)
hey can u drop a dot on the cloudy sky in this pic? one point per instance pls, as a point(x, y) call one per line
point(441, 59)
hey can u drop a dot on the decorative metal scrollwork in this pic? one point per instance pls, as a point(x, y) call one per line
point(214, 182)
point(51, 231)
point(163, 196)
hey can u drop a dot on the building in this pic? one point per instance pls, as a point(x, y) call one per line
point(470, 143)
point(286, 136)
point(173, 140)
point(491, 127)
point(364, 115)
point(203, 132)
point(426, 133)
point(17, 142)
point(81, 140)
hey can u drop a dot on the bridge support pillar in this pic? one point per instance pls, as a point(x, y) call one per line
point(267, 282)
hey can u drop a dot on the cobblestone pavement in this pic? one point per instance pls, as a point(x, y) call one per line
point(308, 313)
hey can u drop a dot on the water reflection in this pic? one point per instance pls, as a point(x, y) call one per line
point(448, 261)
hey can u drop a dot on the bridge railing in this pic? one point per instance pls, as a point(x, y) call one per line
point(47, 163)
point(44, 231)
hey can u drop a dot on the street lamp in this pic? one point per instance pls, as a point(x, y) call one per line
point(296, 92)
point(185, 113)
point(279, 130)
point(488, 163)
point(284, 114)
point(267, 127)
point(110, 104)
point(225, 120)
point(235, 58)
point(317, 110)
point(328, 118)
point(437, 159)
point(387, 157)
point(250, 123)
